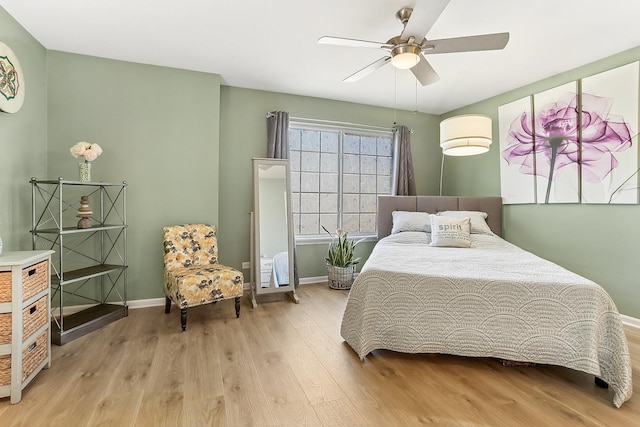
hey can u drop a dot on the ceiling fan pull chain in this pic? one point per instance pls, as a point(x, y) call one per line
point(395, 96)
point(416, 110)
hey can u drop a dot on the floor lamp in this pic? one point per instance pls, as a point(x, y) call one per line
point(465, 135)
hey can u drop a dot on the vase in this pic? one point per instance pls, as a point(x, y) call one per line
point(340, 277)
point(84, 171)
point(0, 245)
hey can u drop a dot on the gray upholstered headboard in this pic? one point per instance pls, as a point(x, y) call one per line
point(433, 204)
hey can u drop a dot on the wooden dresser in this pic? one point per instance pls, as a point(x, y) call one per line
point(25, 332)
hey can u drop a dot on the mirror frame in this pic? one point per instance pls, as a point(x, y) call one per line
point(256, 288)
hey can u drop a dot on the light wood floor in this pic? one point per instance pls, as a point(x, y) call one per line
point(286, 365)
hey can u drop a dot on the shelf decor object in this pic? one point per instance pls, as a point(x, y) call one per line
point(89, 267)
point(11, 81)
point(25, 333)
point(84, 213)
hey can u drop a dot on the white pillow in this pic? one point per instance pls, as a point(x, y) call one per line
point(478, 223)
point(450, 232)
point(410, 221)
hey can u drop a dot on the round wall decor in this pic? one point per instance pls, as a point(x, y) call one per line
point(11, 81)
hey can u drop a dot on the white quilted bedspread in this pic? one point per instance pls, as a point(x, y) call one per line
point(491, 300)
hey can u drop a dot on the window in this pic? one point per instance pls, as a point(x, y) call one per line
point(337, 174)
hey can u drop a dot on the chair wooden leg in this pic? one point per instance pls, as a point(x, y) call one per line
point(167, 305)
point(183, 318)
point(237, 307)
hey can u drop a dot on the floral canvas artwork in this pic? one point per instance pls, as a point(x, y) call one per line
point(609, 136)
point(517, 160)
point(542, 143)
point(578, 141)
point(555, 132)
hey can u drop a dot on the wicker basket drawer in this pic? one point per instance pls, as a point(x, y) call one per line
point(34, 279)
point(5, 286)
point(34, 316)
point(32, 356)
point(35, 354)
point(5, 369)
point(5, 328)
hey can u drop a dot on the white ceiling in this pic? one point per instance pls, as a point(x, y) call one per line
point(271, 45)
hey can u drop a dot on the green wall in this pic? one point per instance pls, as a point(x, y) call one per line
point(23, 137)
point(599, 242)
point(243, 136)
point(158, 128)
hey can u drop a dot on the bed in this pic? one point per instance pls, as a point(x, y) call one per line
point(490, 300)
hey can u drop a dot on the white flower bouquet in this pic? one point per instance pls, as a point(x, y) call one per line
point(87, 151)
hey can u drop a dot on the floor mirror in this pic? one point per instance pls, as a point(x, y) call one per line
point(272, 242)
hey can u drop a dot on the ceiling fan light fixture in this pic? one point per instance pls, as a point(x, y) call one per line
point(405, 57)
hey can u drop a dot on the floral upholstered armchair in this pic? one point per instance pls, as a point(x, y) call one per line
point(192, 275)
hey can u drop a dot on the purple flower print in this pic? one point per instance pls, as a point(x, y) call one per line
point(555, 142)
point(603, 135)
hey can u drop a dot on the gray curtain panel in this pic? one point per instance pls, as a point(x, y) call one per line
point(402, 179)
point(278, 135)
point(278, 148)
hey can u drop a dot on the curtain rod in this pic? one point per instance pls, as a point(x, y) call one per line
point(334, 122)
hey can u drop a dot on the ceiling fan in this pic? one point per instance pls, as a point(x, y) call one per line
point(407, 50)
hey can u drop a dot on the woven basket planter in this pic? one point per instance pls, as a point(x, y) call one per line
point(340, 277)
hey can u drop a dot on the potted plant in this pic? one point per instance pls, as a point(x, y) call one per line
point(341, 260)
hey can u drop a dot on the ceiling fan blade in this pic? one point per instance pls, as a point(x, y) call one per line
point(424, 72)
point(368, 69)
point(465, 44)
point(424, 15)
point(339, 41)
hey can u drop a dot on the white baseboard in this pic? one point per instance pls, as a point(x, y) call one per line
point(318, 279)
point(630, 321)
point(72, 309)
point(309, 280)
point(144, 303)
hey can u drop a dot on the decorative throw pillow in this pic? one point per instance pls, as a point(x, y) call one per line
point(410, 221)
point(478, 223)
point(450, 232)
